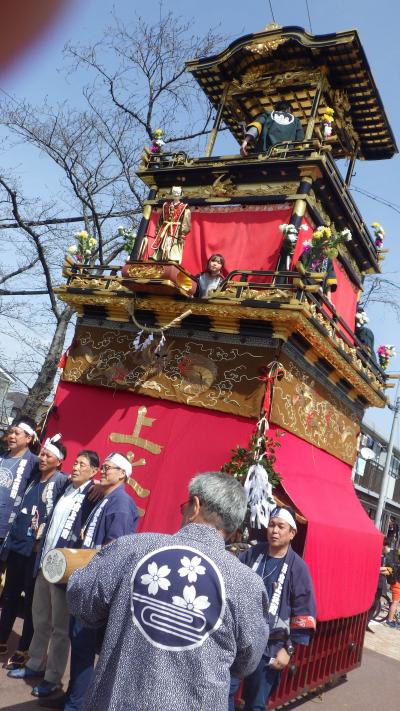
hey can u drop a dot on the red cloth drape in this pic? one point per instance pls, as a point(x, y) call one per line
point(192, 440)
point(248, 238)
point(342, 546)
point(345, 297)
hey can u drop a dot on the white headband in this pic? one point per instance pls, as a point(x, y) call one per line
point(285, 515)
point(51, 447)
point(121, 462)
point(28, 429)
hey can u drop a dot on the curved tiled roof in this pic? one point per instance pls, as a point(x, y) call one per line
point(286, 63)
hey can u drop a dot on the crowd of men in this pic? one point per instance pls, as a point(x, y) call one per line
point(177, 620)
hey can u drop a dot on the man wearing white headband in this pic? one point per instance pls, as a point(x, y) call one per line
point(291, 607)
point(49, 649)
point(28, 520)
point(115, 515)
point(17, 466)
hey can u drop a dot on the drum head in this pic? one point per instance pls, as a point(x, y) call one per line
point(54, 566)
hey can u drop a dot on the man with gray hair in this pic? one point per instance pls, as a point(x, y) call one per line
point(181, 612)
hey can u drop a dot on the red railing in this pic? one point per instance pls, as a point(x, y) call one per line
point(335, 649)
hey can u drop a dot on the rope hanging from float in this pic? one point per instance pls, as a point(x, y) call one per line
point(153, 331)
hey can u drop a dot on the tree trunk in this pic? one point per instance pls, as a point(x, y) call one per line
point(43, 384)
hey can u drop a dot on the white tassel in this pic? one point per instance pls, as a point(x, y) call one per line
point(259, 496)
point(55, 438)
point(160, 344)
point(136, 342)
point(147, 342)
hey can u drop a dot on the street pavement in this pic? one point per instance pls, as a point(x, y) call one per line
point(374, 686)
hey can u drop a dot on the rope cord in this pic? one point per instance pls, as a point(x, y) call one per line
point(150, 329)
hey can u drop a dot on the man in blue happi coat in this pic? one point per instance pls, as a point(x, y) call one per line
point(180, 610)
point(18, 464)
point(49, 648)
point(30, 513)
point(114, 515)
point(291, 607)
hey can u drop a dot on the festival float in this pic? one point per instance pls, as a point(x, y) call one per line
point(267, 367)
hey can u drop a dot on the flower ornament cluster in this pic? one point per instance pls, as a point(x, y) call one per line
point(324, 244)
point(379, 234)
point(157, 143)
point(361, 318)
point(290, 234)
point(385, 353)
point(327, 121)
point(84, 248)
point(129, 237)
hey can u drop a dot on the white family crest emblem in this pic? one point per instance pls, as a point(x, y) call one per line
point(178, 597)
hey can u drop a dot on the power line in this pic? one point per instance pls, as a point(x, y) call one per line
point(309, 17)
point(272, 12)
point(376, 198)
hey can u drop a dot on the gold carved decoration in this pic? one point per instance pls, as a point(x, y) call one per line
point(267, 46)
point(347, 257)
point(147, 270)
point(320, 208)
point(341, 104)
point(302, 406)
point(209, 375)
point(221, 187)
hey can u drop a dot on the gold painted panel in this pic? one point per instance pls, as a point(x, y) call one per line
point(302, 406)
point(214, 376)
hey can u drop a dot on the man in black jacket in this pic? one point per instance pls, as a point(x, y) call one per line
point(270, 128)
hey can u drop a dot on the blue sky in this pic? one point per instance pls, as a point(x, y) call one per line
point(36, 75)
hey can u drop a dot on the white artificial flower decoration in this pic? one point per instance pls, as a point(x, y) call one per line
point(190, 601)
point(191, 568)
point(304, 227)
point(156, 577)
point(72, 249)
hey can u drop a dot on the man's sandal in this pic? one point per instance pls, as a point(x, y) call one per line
point(18, 660)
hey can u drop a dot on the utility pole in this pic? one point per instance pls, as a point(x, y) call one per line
point(385, 475)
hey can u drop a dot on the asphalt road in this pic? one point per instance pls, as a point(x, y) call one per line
point(375, 686)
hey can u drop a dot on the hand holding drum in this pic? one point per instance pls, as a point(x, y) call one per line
point(59, 563)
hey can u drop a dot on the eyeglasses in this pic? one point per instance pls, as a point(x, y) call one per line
point(106, 469)
point(184, 505)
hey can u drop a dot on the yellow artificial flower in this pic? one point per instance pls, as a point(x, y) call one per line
point(83, 234)
point(327, 118)
point(375, 224)
point(92, 242)
point(329, 111)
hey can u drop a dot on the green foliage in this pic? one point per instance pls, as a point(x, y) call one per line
point(243, 458)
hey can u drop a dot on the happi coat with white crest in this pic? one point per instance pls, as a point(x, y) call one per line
point(292, 609)
point(181, 612)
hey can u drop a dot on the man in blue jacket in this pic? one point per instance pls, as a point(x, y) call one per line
point(51, 640)
point(291, 607)
point(17, 466)
point(28, 518)
point(113, 516)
